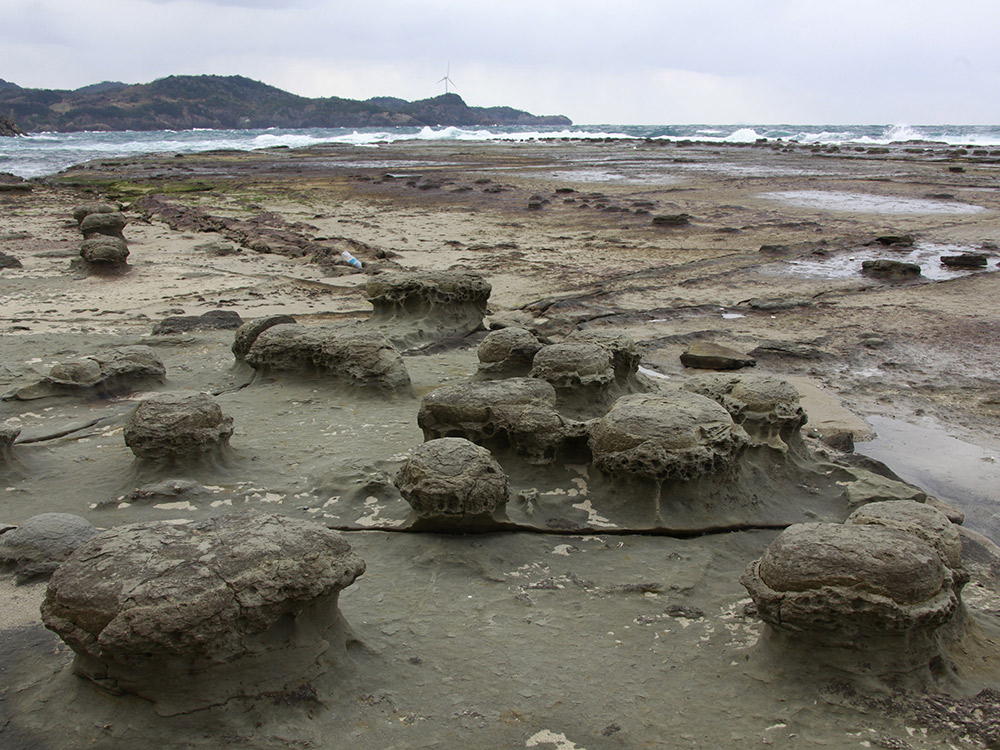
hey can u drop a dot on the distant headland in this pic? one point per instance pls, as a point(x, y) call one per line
point(235, 103)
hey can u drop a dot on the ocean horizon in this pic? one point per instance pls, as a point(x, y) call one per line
point(38, 155)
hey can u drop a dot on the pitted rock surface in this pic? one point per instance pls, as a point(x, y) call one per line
point(918, 519)
point(247, 333)
point(84, 210)
point(676, 435)
point(573, 365)
point(766, 407)
point(228, 606)
point(350, 355)
point(104, 250)
point(507, 352)
point(116, 372)
point(452, 477)
point(110, 224)
point(182, 424)
point(518, 413)
point(40, 544)
point(620, 345)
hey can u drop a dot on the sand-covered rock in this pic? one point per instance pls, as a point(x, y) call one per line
point(191, 615)
point(419, 307)
point(102, 250)
point(506, 353)
point(348, 355)
point(178, 425)
point(766, 407)
point(516, 413)
point(247, 333)
point(113, 373)
point(862, 597)
point(453, 478)
point(676, 435)
point(39, 545)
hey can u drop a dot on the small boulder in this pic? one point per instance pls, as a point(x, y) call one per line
point(110, 224)
point(8, 434)
point(965, 260)
point(672, 220)
point(676, 435)
point(178, 425)
point(892, 270)
point(84, 210)
point(234, 606)
point(39, 545)
point(506, 353)
point(9, 261)
point(452, 478)
point(210, 321)
point(103, 250)
point(705, 355)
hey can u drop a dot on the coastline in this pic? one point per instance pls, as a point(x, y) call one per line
point(564, 231)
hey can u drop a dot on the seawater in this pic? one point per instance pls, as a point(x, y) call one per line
point(42, 154)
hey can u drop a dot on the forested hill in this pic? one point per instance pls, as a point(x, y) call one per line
point(234, 102)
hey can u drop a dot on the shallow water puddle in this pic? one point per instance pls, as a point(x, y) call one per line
point(927, 255)
point(953, 470)
point(838, 200)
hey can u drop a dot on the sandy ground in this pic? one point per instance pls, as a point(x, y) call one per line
point(520, 640)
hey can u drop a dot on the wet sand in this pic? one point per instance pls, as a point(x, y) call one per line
point(537, 638)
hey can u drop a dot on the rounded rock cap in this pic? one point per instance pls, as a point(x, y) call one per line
point(176, 425)
point(452, 477)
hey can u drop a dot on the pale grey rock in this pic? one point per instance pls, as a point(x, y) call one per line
point(110, 224)
point(507, 353)
point(39, 545)
point(348, 355)
point(452, 477)
point(918, 519)
point(178, 425)
point(232, 606)
point(676, 435)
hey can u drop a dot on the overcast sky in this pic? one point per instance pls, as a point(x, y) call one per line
point(596, 61)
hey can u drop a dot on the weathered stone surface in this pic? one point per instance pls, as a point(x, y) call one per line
point(105, 250)
point(8, 434)
point(869, 487)
point(862, 598)
point(452, 477)
point(418, 307)
point(573, 365)
point(918, 519)
point(212, 320)
point(235, 605)
point(766, 407)
point(506, 353)
point(84, 210)
point(965, 260)
point(620, 345)
point(705, 355)
point(884, 268)
point(116, 372)
point(178, 425)
point(516, 413)
point(349, 355)
point(110, 224)
point(676, 435)
point(40, 544)
point(247, 333)
point(672, 220)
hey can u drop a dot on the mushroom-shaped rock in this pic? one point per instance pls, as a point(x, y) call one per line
point(40, 544)
point(705, 355)
point(835, 589)
point(620, 345)
point(236, 605)
point(8, 434)
point(766, 407)
point(350, 355)
point(919, 519)
point(517, 413)
point(84, 210)
point(178, 425)
point(247, 333)
point(110, 224)
point(419, 307)
point(506, 353)
point(113, 373)
point(103, 250)
point(676, 435)
point(454, 478)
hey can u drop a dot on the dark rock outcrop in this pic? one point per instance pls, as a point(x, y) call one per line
point(113, 373)
point(39, 545)
point(191, 615)
point(892, 270)
point(210, 321)
point(705, 355)
point(965, 260)
point(9, 261)
point(8, 128)
point(178, 426)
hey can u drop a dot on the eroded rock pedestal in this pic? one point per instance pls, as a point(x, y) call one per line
point(114, 373)
point(104, 249)
point(879, 595)
point(191, 615)
point(183, 425)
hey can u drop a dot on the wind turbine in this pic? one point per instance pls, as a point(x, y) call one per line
point(447, 78)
